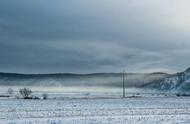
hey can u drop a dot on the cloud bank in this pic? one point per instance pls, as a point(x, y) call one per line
point(94, 36)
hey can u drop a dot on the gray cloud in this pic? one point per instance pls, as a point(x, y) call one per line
point(94, 36)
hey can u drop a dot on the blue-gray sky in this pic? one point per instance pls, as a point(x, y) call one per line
point(85, 36)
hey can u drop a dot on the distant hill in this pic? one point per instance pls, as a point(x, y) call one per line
point(69, 79)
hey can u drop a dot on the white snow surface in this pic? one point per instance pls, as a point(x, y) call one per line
point(135, 110)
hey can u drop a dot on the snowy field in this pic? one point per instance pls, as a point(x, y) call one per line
point(94, 106)
point(134, 110)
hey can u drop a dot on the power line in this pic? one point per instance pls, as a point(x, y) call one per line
point(123, 84)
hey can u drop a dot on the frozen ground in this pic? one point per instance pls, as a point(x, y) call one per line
point(136, 110)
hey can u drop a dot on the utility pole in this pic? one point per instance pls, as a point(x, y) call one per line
point(123, 84)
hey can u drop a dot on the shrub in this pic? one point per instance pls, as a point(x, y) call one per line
point(10, 91)
point(182, 94)
point(44, 96)
point(35, 97)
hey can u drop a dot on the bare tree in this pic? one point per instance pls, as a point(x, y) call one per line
point(25, 92)
point(10, 91)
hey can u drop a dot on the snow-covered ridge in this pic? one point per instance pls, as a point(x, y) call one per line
point(176, 82)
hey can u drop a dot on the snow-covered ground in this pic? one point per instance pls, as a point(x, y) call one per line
point(134, 110)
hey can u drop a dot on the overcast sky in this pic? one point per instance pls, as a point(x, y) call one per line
point(85, 36)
